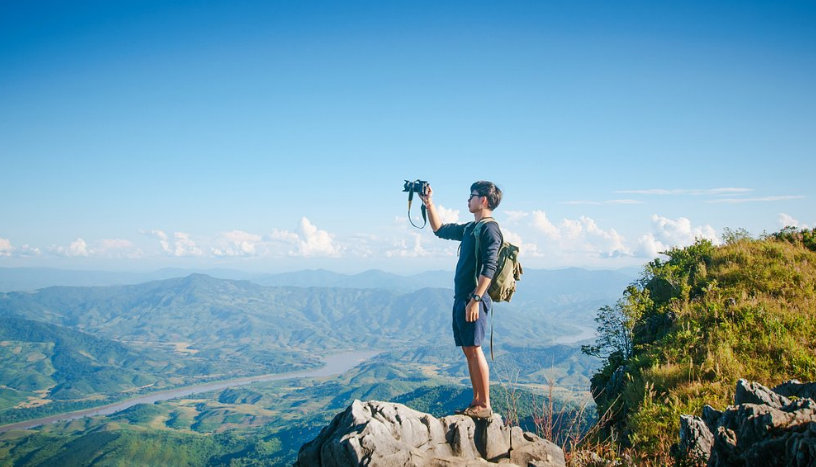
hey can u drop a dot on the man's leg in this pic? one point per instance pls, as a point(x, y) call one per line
point(472, 373)
point(479, 375)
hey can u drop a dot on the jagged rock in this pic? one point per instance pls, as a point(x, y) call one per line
point(711, 416)
point(762, 428)
point(794, 388)
point(755, 393)
point(754, 435)
point(384, 434)
point(695, 440)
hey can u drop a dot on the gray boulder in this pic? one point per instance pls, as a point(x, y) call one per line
point(755, 393)
point(762, 428)
point(794, 388)
point(384, 434)
point(696, 440)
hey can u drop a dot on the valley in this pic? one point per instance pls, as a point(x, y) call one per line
point(242, 364)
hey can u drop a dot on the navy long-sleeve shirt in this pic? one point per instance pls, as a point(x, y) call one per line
point(490, 240)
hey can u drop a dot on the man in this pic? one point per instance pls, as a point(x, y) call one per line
point(472, 279)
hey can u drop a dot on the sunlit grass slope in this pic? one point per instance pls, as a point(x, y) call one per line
point(694, 324)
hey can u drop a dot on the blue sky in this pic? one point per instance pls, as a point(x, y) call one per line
point(276, 136)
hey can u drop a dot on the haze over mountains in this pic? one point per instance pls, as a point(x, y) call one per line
point(30, 279)
point(65, 344)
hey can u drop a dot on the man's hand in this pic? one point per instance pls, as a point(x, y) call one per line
point(472, 311)
point(426, 197)
point(433, 216)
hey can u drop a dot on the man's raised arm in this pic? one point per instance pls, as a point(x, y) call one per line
point(433, 216)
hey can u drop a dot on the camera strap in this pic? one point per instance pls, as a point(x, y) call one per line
point(423, 209)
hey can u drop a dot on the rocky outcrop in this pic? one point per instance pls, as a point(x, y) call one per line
point(764, 427)
point(384, 434)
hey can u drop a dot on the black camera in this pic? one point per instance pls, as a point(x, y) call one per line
point(417, 186)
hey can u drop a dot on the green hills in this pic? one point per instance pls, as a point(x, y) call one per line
point(261, 425)
point(66, 348)
point(694, 324)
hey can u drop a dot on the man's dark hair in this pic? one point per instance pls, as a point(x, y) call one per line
point(490, 190)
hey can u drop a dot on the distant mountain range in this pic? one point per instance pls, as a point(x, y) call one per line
point(535, 282)
point(199, 314)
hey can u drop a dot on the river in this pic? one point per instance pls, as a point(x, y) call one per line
point(584, 333)
point(335, 365)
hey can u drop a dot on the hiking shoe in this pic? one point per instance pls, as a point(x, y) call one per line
point(461, 411)
point(478, 412)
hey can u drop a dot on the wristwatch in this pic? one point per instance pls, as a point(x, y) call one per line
point(476, 297)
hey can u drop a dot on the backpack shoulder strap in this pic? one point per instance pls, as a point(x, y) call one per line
point(477, 232)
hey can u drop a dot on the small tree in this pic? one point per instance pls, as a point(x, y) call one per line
point(730, 236)
point(616, 325)
point(614, 334)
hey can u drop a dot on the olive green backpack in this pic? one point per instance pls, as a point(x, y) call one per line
point(508, 270)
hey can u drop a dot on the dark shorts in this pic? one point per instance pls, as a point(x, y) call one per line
point(471, 334)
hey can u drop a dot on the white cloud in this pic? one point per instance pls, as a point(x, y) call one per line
point(584, 235)
point(406, 241)
point(27, 250)
point(786, 220)
point(407, 249)
point(668, 233)
point(183, 245)
point(315, 242)
point(7, 250)
point(284, 235)
point(680, 231)
point(5, 247)
point(580, 236)
point(606, 242)
point(570, 228)
point(544, 225)
point(237, 243)
point(526, 249)
point(764, 199)
point(78, 248)
point(360, 246)
point(649, 247)
point(308, 241)
point(447, 216)
point(162, 237)
point(582, 241)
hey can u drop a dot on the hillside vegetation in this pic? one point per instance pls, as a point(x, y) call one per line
point(692, 325)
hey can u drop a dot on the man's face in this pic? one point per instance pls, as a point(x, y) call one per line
point(474, 202)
